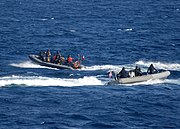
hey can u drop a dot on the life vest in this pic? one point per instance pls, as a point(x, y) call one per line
point(70, 59)
point(54, 57)
point(76, 64)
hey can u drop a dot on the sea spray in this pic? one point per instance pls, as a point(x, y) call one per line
point(160, 65)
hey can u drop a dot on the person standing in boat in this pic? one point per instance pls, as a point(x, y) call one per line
point(48, 56)
point(152, 69)
point(122, 74)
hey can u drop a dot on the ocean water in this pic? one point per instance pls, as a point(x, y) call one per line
point(111, 35)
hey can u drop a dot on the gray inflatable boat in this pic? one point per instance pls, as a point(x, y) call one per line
point(145, 77)
point(36, 59)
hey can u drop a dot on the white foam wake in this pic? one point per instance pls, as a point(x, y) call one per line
point(102, 67)
point(160, 65)
point(46, 81)
point(28, 64)
point(172, 81)
point(125, 29)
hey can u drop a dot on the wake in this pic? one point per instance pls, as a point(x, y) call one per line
point(26, 64)
point(160, 65)
point(144, 64)
point(46, 81)
point(86, 80)
point(29, 64)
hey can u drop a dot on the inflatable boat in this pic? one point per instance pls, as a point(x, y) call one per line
point(145, 77)
point(36, 59)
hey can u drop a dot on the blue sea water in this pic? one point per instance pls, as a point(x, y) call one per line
point(111, 35)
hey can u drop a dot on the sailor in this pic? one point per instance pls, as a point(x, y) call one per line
point(132, 73)
point(83, 58)
point(137, 71)
point(54, 58)
point(122, 74)
point(112, 74)
point(62, 60)
point(58, 53)
point(151, 69)
point(57, 57)
point(48, 55)
point(69, 59)
point(41, 55)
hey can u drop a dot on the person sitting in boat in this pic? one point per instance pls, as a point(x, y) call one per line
point(41, 55)
point(48, 56)
point(122, 74)
point(137, 71)
point(81, 58)
point(151, 69)
point(131, 73)
point(57, 58)
point(69, 60)
point(58, 53)
point(61, 61)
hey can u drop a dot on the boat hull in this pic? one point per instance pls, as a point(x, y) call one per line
point(129, 80)
point(36, 60)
